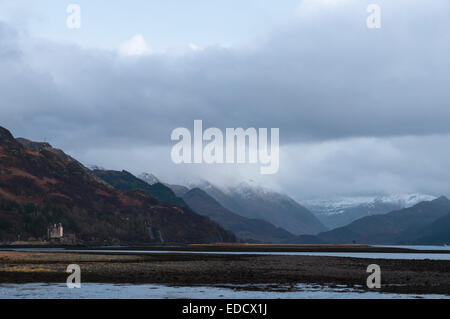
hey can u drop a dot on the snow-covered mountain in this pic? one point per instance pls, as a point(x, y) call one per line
point(340, 211)
point(149, 178)
point(93, 167)
point(251, 200)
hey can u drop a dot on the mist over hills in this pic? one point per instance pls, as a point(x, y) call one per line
point(341, 211)
point(124, 180)
point(149, 178)
point(254, 201)
point(405, 226)
point(40, 185)
point(247, 229)
point(179, 190)
point(393, 219)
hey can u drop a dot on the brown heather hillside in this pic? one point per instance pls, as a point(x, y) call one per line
point(41, 185)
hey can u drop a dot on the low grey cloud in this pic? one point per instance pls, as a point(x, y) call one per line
point(324, 80)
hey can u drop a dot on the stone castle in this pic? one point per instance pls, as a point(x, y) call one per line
point(55, 231)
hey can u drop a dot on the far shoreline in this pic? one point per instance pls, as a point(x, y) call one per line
point(236, 247)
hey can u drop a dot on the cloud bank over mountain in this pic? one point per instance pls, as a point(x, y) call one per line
point(359, 110)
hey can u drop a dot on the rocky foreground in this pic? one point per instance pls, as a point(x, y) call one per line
point(398, 276)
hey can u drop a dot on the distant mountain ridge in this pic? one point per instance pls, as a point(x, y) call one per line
point(149, 178)
point(253, 201)
point(398, 227)
point(179, 190)
point(436, 233)
point(249, 230)
point(40, 185)
point(124, 180)
point(341, 211)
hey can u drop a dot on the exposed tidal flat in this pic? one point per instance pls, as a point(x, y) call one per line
point(291, 276)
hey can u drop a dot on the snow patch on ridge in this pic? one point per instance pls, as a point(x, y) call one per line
point(337, 205)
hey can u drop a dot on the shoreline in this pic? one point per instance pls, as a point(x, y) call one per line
point(398, 276)
point(344, 248)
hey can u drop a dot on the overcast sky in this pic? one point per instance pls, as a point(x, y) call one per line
point(360, 111)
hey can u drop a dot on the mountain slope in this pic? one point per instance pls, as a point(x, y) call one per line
point(436, 233)
point(392, 228)
point(257, 202)
point(126, 181)
point(179, 190)
point(41, 185)
point(244, 228)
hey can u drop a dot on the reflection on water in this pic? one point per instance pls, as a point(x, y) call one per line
point(151, 291)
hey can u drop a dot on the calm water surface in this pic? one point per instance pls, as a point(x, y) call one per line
point(151, 291)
